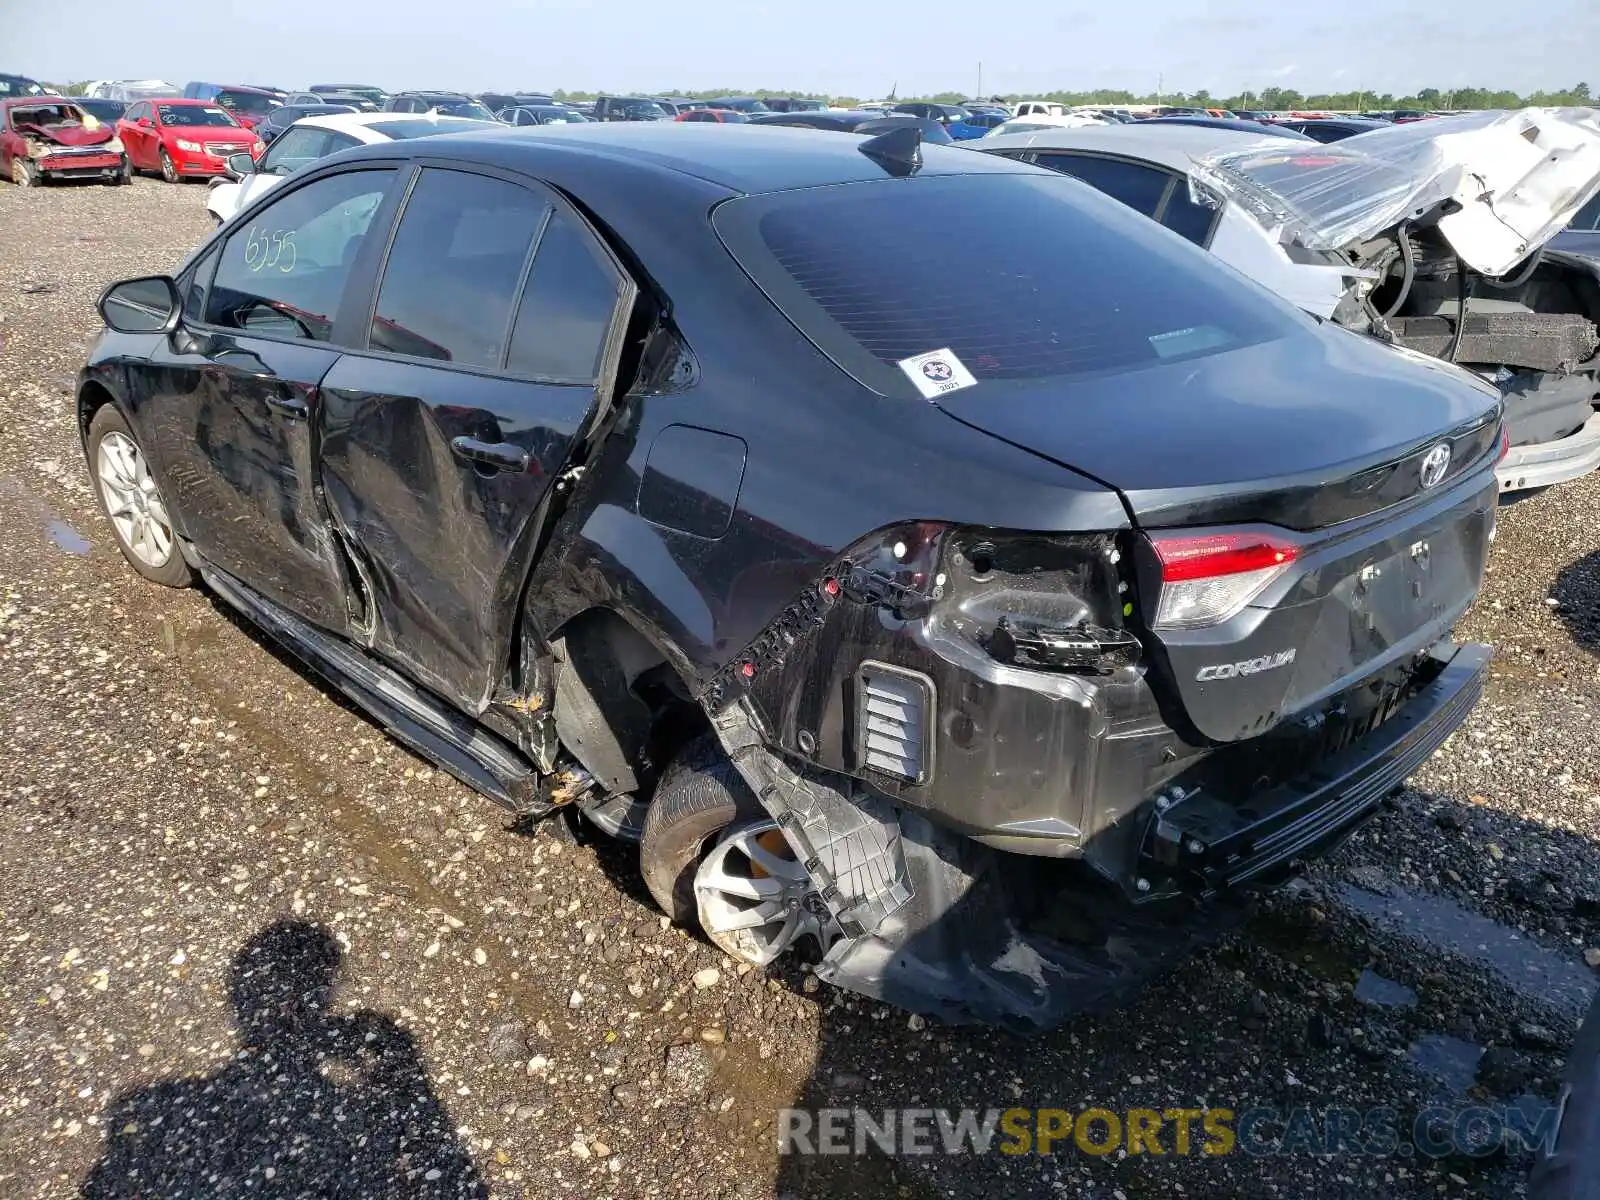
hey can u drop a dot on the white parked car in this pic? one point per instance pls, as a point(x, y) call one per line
point(1395, 233)
point(312, 138)
point(1037, 122)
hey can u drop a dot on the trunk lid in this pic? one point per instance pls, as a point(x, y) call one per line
point(1321, 441)
point(1301, 431)
point(1498, 184)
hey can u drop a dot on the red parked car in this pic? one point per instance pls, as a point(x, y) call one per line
point(722, 116)
point(48, 137)
point(183, 137)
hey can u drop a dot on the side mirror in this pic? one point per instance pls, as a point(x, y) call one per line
point(147, 305)
point(237, 166)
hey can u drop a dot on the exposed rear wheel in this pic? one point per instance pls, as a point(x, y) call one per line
point(712, 856)
point(132, 501)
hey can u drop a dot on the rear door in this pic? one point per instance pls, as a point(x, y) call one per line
point(488, 355)
point(231, 402)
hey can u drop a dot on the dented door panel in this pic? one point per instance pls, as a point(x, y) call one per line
point(444, 539)
point(232, 421)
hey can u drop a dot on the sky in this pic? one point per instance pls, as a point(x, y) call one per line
point(861, 50)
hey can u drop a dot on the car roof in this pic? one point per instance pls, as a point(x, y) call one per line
point(744, 158)
point(1170, 145)
point(359, 124)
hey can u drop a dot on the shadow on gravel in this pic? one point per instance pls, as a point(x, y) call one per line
point(314, 1103)
point(1577, 594)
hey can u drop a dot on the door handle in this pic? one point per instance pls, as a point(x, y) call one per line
point(497, 456)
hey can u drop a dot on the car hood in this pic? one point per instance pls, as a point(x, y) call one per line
point(1497, 184)
point(70, 134)
point(1235, 435)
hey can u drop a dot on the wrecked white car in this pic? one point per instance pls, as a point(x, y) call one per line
point(1446, 224)
point(1396, 233)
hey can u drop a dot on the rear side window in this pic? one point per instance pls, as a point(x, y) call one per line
point(1588, 217)
point(566, 308)
point(1183, 216)
point(1140, 188)
point(1046, 280)
point(455, 267)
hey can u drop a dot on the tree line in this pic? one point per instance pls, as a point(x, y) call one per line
point(1273, 99)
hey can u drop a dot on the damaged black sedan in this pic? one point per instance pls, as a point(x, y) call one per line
point(981, 616)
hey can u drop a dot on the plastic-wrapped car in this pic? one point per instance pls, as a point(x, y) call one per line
point(1395, 233)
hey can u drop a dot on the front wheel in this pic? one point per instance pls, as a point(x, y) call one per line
point(712, 856)
point(169, 171)
point(24, 173)
point(132, 501)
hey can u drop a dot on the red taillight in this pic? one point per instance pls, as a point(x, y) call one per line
point(1211, 555)
point(1208, 578)
point(1505, 446)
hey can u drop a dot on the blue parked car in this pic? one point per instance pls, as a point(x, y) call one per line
point(974, 125)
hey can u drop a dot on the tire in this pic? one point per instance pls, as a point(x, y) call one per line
point(701, 794)
point(109, 431)
point(24, 173)
point(168, 171)
point(123, 176)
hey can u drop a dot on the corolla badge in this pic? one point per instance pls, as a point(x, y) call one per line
point(1434, 465)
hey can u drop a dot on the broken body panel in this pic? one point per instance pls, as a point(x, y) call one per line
point(1446, 217)
point(933, 637)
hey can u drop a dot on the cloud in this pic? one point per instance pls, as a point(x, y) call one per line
point(1284, 71)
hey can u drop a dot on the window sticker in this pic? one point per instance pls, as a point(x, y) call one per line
point(936, 372)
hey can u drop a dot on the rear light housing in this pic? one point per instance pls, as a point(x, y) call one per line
point(1209, 577)
point(1043, 602)
point(1505, 445)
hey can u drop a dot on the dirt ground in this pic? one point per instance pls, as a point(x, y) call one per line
point(249, 946)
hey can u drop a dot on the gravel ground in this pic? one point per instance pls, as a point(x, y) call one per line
point(250, 946)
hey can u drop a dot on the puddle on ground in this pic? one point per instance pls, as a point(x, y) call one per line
point(1535, 971)
point(1374, 989)
point(15, 493)
point(1451, 1060)
point(65, 536)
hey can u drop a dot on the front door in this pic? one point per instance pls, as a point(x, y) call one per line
point(489, 355)
point(234, 423)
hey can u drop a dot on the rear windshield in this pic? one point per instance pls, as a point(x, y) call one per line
point(1020, 276)
point(253, 103)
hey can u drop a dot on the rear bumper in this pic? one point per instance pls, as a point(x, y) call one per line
point(1546, 463)
point(1206, 843)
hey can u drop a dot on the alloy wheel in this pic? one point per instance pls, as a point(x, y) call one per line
point(133, 501)
point(755, 899)
point(168, 171)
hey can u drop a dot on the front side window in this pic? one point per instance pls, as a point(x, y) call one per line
point(1140, 188)
point(1588, 217)
point(566, 308)
point(284, 274)
point(454, 269)
point(300, 146)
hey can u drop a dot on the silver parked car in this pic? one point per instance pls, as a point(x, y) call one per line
point(1313, 223)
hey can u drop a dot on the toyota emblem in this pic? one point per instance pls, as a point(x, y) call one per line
point(1434, 465)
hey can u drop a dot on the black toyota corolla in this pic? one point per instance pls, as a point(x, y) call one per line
point(937, 568)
